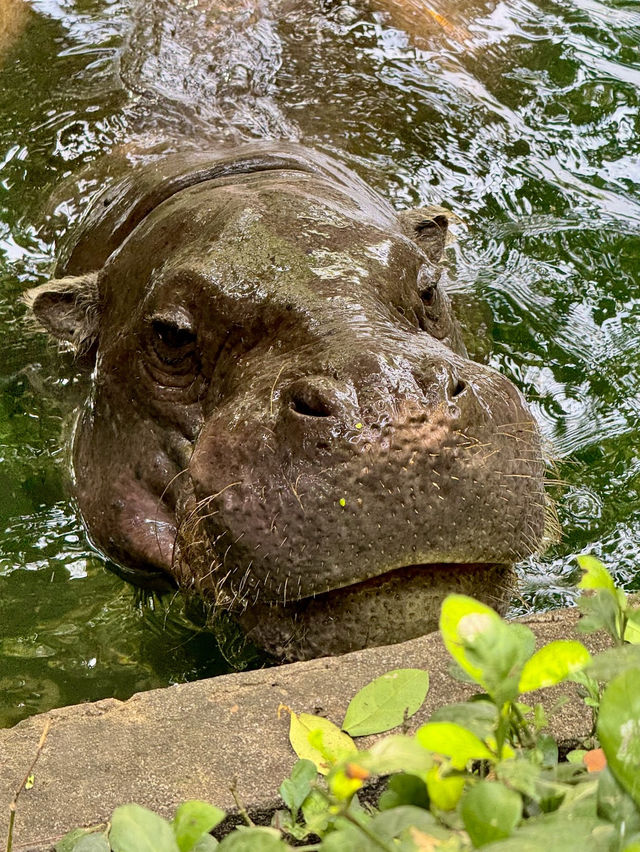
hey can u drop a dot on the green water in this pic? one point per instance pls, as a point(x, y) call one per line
point(529, 129)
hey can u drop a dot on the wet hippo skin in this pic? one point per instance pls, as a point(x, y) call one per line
point(284, 419)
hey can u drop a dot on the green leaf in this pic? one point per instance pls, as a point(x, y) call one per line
point(398, 753)
point(520, 775)
point(540, 720)
point(506, 653)
point(580, 796)
point(558, 831)
point(349, 839)
point(391, 824)
point(295, 789)
point(344, 782)
point(553, 664)
point(207, 843)
point(92, 843)
point(632, 630)
point(453, 741)
point(317, 739)
point(480, 717)
point(615, 805)
point(315, 812)
point(486, 647)
point(547, 750)
point(70, 840)
point(490, 811)
point(614, 661)
point(599, 611)
point(283, 822)
point(461, 620)
point(192, 820)
point(404, 789)
point(444, 790)
point(386, 702)
point(136, 829)
point(253, 840)
point(574, 774)
point(595, 574)
point(619, 730)
point(551, 797)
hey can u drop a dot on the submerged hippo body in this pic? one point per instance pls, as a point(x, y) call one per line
point(283, 418)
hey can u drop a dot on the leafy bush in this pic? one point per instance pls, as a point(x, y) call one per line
point(480, 774)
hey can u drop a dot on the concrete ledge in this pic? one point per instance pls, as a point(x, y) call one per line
point(197, 740)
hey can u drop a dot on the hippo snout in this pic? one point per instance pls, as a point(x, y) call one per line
point(392, 475)
point(328, 406)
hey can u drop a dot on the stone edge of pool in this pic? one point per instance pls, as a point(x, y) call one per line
point(200, 739)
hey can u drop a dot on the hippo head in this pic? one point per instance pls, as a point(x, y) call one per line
point(283, 417)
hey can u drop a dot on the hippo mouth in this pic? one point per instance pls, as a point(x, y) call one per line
point(412, 574)
point(403, 603)
point(398, 605)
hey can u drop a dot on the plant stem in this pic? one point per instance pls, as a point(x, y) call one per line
point(368, 833)
point(522, 726)
point(12, 819)
point(501, 730)
point(350, 818)
point(14, 802)
point(241, 808)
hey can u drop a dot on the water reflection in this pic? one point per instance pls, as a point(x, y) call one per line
point(521, 116)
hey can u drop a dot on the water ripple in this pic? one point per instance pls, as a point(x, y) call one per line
point(521, 115)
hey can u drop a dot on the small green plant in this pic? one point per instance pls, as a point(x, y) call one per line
point(482, 774)
point(604, 606)
point(137, 829)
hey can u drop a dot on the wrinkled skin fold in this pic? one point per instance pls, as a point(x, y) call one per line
point(284, 419)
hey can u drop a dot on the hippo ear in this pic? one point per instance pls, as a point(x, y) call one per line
point(428, 226)
point(68, 308)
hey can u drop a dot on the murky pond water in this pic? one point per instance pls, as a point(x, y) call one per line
point(524, 117)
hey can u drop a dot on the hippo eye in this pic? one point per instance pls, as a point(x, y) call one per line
point(172, 336)
point(173, 344)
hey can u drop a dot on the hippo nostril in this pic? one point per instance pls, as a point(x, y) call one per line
point(459, 387)
point(440, 383)
point(320, 396)
point(310, 407)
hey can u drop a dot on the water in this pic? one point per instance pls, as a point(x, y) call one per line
point(521, 116)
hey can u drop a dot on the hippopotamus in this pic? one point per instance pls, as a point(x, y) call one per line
point(283, 417)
